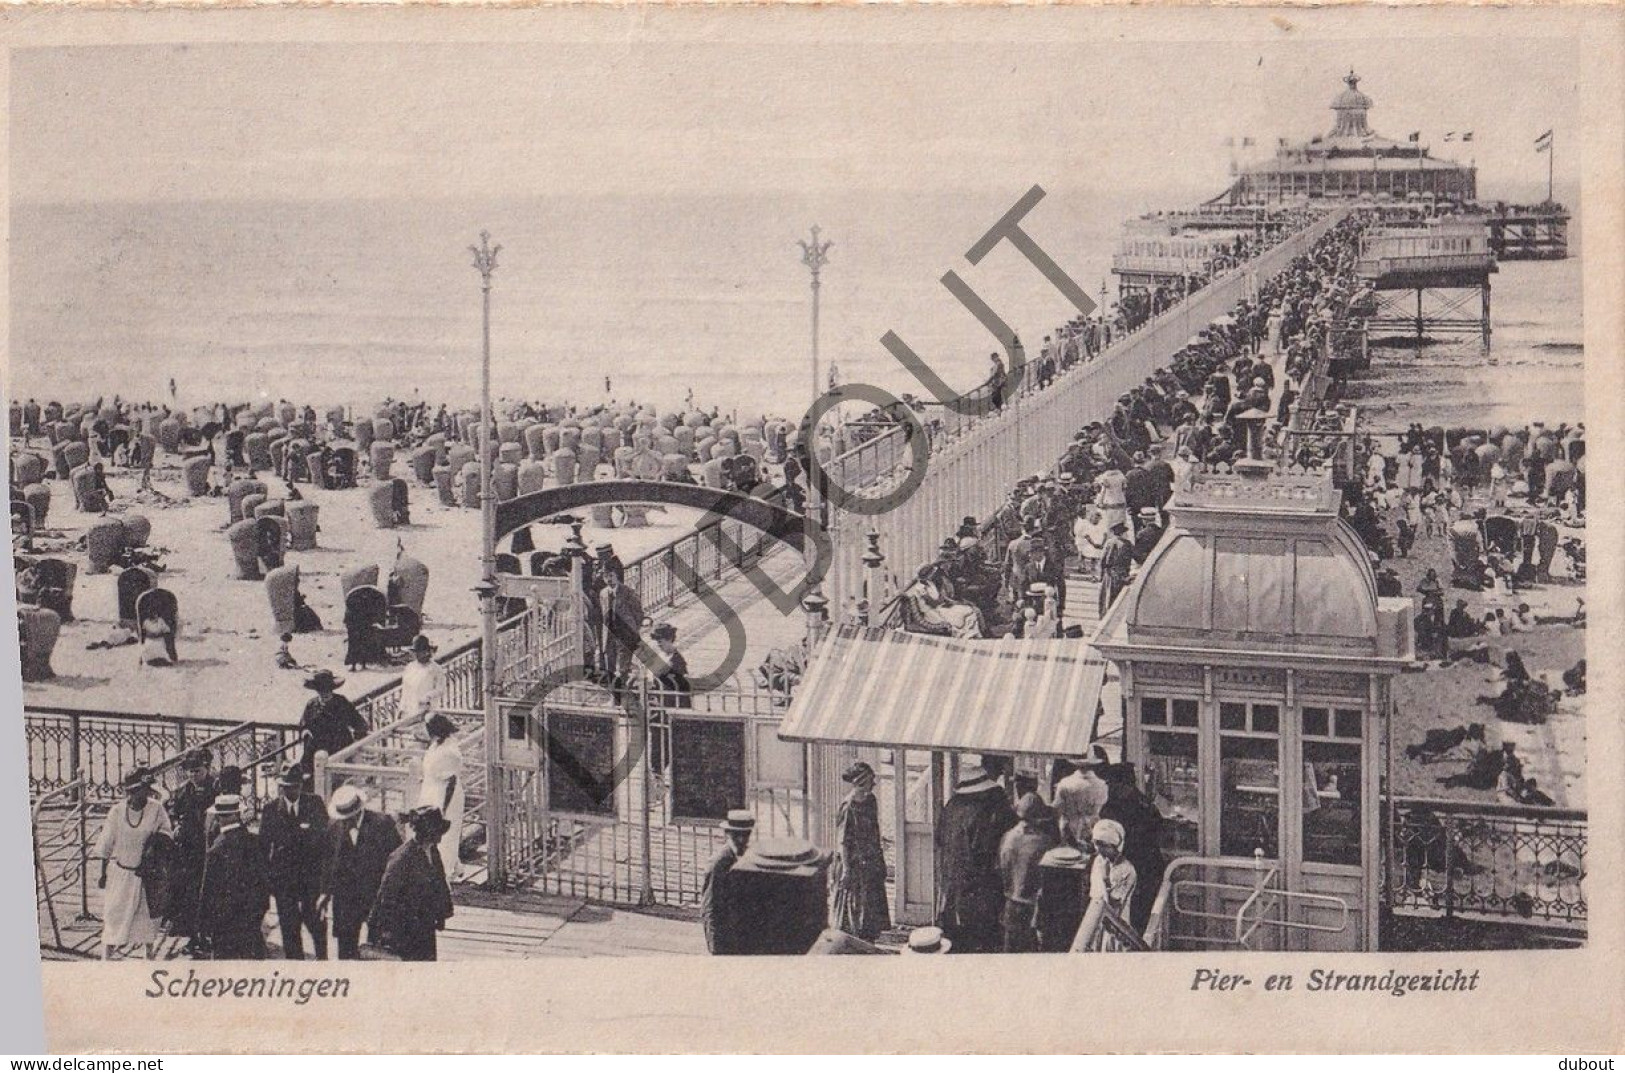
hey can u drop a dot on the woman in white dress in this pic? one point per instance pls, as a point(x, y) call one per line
point(423, 682)
point(126, 918)
point(443, 787)
point(1089, 534)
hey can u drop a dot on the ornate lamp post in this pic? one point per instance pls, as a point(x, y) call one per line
point(814, 254)
point(485, 263)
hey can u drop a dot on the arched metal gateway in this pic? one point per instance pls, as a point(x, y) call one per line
point(764, 515)
point(615, 794)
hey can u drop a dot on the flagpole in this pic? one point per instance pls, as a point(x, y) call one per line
point(1551, 157)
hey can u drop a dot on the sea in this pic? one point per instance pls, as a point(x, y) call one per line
point(652, 299)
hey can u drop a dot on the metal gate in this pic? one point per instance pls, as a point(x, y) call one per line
point(633, 787)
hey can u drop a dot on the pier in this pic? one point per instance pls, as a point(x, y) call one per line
point(1445, 263)
point(1529, 232)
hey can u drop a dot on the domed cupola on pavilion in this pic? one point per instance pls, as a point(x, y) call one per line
point(1255, 657)
point(1353, 161)
point(1350, 107)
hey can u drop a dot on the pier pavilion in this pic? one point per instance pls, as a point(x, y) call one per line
point(1353, 162)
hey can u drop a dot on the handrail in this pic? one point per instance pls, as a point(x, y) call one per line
point(42, 882)
point(1102, 917)
point(1489, 808)
point(1156, 936)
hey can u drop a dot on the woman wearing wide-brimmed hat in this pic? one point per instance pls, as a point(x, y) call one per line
point(127, 919)
point(414, 901)
point(330, 722)
point(858, 873)
point(423, 681)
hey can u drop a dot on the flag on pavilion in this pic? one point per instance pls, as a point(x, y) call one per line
point(1544, 142)
point(1246, 143)
point(1467, 137)
point(1416, 136)
point(1449, 135)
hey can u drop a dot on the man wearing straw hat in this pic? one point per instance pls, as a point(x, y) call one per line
point(716, 911)
point(360, 842)
point(234, 896)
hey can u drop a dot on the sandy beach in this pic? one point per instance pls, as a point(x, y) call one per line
point(228, 641)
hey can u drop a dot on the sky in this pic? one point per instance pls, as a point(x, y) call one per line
point(636, 115)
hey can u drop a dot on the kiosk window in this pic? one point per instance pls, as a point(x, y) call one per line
point(1250, 796)
point(1258, 718)
point(1331, 802)
point(1173, 783)
point(1161, 712)
point(1344, 723)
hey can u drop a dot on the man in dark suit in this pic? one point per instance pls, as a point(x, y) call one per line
point(234, 895)
point(293, 832)
point(359, 843)
point(414, 901)
point(188, 811)
point(623, 619)
point(717, 917)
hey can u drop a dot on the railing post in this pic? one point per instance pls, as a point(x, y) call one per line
point(74, 746)
point(646, 895)
point(1447, 826)
point(84, 849)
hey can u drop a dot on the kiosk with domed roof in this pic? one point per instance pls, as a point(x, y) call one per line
point(1255, 658)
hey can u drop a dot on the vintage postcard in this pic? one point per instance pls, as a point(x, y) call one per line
point(533, 529)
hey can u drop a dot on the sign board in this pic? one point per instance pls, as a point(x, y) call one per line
point(779, 764)
point(707, 767)
point(581, 763)
point(544, 591)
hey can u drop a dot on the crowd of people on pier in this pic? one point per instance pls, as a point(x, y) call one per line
point(1020, 859)
point(1229, 395)
point(207, 863)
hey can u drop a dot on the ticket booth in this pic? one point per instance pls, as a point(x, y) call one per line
point(913, 707)
point(1255, 660)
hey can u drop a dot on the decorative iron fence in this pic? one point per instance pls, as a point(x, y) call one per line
point(1511, 862)
point(708, 552)
point(61, 830)
point(99, 747)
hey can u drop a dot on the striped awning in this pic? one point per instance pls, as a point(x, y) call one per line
point(904, 690)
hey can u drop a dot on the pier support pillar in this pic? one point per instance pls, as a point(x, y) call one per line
point(1419, 319)
point(1485, 322)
